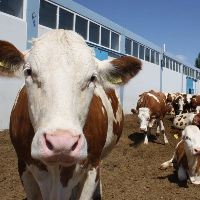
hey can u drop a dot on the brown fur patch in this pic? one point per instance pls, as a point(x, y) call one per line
point(181, 123)
point(184, 117)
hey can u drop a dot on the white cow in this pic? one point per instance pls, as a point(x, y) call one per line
point(186, 157)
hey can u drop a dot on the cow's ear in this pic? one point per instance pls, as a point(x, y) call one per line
point(11, 60)
point(118, 71)
point(134, 111)
point(177, 133)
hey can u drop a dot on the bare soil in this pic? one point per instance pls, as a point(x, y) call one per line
point(131, 171)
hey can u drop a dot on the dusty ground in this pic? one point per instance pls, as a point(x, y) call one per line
point(130, 172)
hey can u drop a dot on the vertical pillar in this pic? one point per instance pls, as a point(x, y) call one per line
point(32, 19)
point(161, 70)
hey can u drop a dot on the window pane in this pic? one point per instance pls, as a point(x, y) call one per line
point(177, 67)
point(114, 41)
point(105, 37)
point(152, 56)
point(147, 54)
point(128, 46)
point(167, 63)
point(141, 54)
point(47, 15)
point(94, 33)
point(12, 7)
point(174, 65)
point(81, 26)
point(157, 58)
point(66, 20)
point(135, 49)
point(170, 64)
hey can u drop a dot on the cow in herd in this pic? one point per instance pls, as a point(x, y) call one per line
point(186, 158)
point(151, 108)
point(67, 117)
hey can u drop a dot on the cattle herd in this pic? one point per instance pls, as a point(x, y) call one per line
point(68, 117)
point(153, 106)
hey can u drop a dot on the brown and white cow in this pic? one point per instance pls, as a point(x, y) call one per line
point(151, 108)
point(185, 119)
point(64, 120)
point(195, 102)
point(186, 158)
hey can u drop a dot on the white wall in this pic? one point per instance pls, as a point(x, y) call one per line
point(13, 30)
point(171, 81)
point(147, 79)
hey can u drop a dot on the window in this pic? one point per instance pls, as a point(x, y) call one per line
point(12, 7)
point(66, 20)
point(174, 67)
point(152, 56)
point(128, 46)
point(47, 14)
point(177, 67)
point(114, 41)
point(185, 70)
point(147, 54)
point(157, 58)
point(141, 52)
point(81, 26)
point(170, 64)
point(135, 49)
point(94, 33)
point(167, 63)
point(105, 37)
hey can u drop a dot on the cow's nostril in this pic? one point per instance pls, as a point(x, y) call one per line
point(48, 144)
point(74, 146)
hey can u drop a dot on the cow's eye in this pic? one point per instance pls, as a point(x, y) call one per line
point(94, 76)
point(27, 71)
point(187, 138)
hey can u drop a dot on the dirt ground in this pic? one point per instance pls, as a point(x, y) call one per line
point(130, 172)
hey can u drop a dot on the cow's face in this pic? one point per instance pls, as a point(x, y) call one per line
point(191, 137)
point(144, 118)
point(60, 76)
point(180, 104)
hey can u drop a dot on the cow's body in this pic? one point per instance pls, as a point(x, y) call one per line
point(64, 121)
point(186, 158)
point(102, 131)
point(185, 119)
point(151, 108)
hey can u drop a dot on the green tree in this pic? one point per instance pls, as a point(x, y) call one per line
point(197, 61)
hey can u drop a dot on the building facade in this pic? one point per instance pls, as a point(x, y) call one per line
point(22, 20)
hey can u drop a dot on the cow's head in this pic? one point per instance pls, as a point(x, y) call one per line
point(191, 137)
point(146, 118)
point(60, 73)
point(180, 104)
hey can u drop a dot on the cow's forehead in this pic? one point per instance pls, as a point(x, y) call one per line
point(61, 45)
point(192, 131)
point(144, 111)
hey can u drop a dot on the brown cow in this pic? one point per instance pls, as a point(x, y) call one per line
point(151, 108)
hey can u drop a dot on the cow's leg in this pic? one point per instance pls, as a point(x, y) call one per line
point(169, 163)
point(87, 187)
point(182, 175)
point(146, 134)
point(158, 128)
point(162, 128)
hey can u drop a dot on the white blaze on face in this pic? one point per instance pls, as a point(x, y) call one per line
point(144, 117)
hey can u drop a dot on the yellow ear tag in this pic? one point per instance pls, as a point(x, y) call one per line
point(2, 65)
point(176, 136)
point(115, 80)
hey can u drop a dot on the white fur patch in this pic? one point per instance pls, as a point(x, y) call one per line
point(154, 97)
